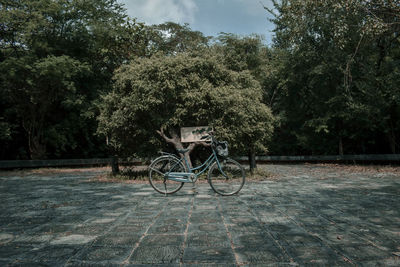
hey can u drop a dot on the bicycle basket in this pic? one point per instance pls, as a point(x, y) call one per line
point(222, 149)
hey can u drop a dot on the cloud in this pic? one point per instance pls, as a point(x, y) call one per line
point(254, 7)
point(159, 11)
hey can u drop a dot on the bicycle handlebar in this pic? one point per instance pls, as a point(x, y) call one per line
point(210, 134)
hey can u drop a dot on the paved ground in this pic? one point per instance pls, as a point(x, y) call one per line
point(306, 215)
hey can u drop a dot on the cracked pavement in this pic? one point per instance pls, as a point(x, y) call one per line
point(307, 214)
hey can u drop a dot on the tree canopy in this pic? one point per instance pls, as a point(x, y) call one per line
point(56, 57)
point(336, 76)
point(165, 93)
point(73, 72)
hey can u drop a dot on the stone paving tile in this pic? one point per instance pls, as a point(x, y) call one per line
point(163, 240)
point(117, 240)
point(253, 240)
point(54, 254)
point(214, 254)
point(103, 254)
point(199, 239)
point(266, 254)
point(311, 215)
point(156, 255)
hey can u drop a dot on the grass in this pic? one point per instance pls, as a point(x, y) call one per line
point(139, 174)
point(259, 174)
point(133, 173)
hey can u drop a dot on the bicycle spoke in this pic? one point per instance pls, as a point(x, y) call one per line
point(157, 174)
point(228, 179)
point(157, 171)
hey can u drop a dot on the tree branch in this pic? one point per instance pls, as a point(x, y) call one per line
point(176, 141)
point(166, 138)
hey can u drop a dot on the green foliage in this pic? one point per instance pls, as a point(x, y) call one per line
point(47, 85)
point(56, 57)
point(331, 79)
point(335, 78)
point(5, 131)
point(183, 90)
point(168, 38)
point(171, 38)
point(244, 53)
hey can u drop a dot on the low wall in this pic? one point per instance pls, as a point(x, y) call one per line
point(395, 158)
point(382, 158)
point(12, 164)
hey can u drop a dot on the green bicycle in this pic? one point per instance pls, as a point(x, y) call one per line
point(168, 173)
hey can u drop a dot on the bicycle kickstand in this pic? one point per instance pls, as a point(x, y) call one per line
point(165, 187)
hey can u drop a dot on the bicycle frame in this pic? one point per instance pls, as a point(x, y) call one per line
point(178, 170)
point(191, 176)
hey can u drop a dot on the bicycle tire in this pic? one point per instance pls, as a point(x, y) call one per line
point(230, 184)
point(158, 168)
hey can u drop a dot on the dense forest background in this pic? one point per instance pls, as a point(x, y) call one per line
point(329, 83)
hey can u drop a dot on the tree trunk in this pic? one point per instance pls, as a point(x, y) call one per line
point(114, 165)
point(175, 140)
point(340, 146)
point(187, 156)
point(392, 141)
point(37, 150)
point(252, 161)
point(33, 128)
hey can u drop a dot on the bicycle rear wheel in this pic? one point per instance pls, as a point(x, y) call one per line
point(228, 180)
point(157, 170)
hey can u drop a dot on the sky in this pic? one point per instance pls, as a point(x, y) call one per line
point(241, 17)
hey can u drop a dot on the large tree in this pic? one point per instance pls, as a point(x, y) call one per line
point(246, 53)
point(56, 56)
point(337, 75)
point(155, 96)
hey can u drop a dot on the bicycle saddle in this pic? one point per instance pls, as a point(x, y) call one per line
point(182, 151)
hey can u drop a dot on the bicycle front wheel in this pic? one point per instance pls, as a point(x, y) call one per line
point(157, 170)
point(227, 180)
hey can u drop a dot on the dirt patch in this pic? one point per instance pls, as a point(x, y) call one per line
point(330, 171)
point(139, 175)
point(46, 171)
point(369, 169)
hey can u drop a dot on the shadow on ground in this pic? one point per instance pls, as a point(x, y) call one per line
point(310, 215)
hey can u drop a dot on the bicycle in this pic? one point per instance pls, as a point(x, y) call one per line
point(168, 173)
